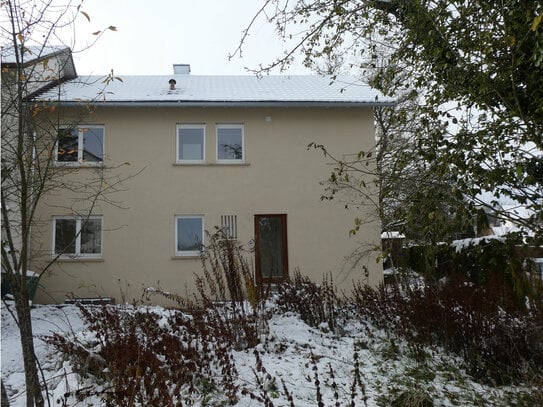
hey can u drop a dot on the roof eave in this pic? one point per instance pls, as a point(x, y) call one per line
point(183, 103)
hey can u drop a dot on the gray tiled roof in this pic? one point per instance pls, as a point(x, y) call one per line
point(222, 90)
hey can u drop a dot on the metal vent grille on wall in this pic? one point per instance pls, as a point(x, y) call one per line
point(229, 225)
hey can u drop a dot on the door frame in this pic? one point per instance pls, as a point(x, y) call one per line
point(284, 237)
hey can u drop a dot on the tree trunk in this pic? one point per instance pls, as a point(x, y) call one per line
point(5, 401)
point(34, 396)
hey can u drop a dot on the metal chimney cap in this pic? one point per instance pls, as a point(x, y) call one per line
point(181, 69)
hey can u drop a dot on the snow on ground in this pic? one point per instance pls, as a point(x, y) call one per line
point(386, 366)
point(45, 320)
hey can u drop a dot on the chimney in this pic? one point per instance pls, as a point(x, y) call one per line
point(181, 69)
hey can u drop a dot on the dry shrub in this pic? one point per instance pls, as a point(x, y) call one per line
point(228, 288)
point(227, 275)
point(499, 344)
point(153, 358)
point(317, 305)
point(227, 293)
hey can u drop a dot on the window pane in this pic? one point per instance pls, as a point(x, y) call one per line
point(229, 144)
point(93, 144)
point(191, 144)
point(65, 231)
point(189, 234)
point(67, 145)
point(91, 236)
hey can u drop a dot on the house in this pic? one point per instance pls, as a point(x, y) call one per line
point(43, 66)
point(26, 72)
point(500, 219)
point(185, 154)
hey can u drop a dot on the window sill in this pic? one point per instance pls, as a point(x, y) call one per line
point(78, 165)
point(187, 257)
point(211, 164)
point(80, 259)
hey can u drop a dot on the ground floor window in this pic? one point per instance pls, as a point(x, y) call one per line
point(77, 236)
point(189, 235)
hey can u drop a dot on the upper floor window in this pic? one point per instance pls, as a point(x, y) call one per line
point(190, 143)
point(74, 236)
point(230, 143)
point(80, 145)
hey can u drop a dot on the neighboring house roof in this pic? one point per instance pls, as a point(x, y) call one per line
point(518, 211)
point(44, 67)
point(31, 53)
point(516, 214)
point(194, 90)
point(35, 53)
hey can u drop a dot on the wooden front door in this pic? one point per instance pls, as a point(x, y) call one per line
point(271, 255)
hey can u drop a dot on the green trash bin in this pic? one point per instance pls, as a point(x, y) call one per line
point(32, 280)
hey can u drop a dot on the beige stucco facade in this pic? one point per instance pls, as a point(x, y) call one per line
point(279, 175)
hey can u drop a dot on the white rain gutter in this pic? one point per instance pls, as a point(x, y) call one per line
point(181, 103)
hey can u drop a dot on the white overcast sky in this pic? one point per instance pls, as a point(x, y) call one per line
point(153, 35)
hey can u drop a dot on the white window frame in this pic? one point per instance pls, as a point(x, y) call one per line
point(188, 253)
point(230, 126)
point(80, 133)
point(180, 160)
point(79, 221)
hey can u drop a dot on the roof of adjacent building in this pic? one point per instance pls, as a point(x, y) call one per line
point(34, 53)
point(44, 66)
point(195, 90)
point(31, 53)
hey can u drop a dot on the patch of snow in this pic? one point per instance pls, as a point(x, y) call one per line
point(505, 230)
point(392, 235)
point(462, 244)
point(519, 211)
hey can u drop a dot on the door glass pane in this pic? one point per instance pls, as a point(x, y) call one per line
point(270, 244)
point(67, 145)
point(65, 230)
point(91, 236)
point(93, 144)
